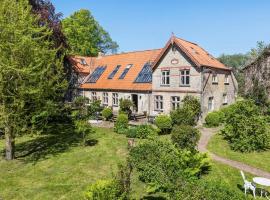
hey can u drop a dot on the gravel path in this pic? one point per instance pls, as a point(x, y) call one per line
point(206, 134)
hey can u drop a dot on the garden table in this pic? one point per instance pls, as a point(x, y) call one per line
point(263, 182)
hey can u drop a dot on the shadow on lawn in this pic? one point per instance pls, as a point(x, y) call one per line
point(60, 140)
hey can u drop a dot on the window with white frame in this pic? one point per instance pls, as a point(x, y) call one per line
point(93, 96)
point(105, 98)
point(214, 79)
point(165, 77)
point(158, 103)
point(175, 102)
point(185, 77)
point(226, 79)
point(225, 99)
point(210, 103)
point(115, 99)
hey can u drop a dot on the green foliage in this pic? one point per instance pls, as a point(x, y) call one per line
point(214, 119)
point(141, 131)
point(164, 123)
point(125, 106)
point(94, 108)
point(245, 129)
point(107, 113)
point(121, 124)
point(259, 95)
point(85, 36)
point(188, 113)
point(205, 190)
point(103, 190)
point(160, 164)
point(79, 102)
point(83, 128)
point(32, 79)
point(79, 108)
point(185, 137)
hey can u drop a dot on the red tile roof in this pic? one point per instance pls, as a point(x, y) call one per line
point(76, 62)
point(138, 58)
point(197, 54)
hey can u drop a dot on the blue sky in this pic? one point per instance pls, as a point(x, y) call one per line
point(219, 26)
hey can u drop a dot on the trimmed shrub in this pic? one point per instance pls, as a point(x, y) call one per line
point(245, 128)
point(185, 137)
point(214, 119)
point(107, 113)
point(160, 164)
point(121, 124)
point(164, 123)
point(103, 190)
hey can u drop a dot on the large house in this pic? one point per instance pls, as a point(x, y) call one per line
point(157, 80)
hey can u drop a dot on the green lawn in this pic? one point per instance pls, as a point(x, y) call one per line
point(220, 147)
point(47, 170)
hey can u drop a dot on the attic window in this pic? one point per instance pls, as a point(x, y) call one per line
point(83, 62)
point(122, 76)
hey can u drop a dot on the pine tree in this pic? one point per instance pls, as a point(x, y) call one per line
point(32, 81)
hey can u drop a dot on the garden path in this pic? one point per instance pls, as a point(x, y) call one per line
point(206, 134)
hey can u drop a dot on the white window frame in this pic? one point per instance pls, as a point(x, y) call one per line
point(175, 102)
point(226, 79)
point(214, 78)
point(158, 102)
point(211, 104)
point(185, 77)
point(165, 77)
point(93, 96)
point(105, 98)
point(225, 99)
point(115, 100)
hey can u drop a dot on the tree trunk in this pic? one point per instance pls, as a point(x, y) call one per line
point(10, 144)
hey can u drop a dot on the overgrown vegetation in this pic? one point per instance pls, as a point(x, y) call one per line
point(185, 137)
point(214, 119)
point(142, 131)
point(121, 124)
point(164, 123)
point(245, 128)
point(125, 107)
point(188, 113)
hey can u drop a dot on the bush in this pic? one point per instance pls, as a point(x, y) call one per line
point(125, 107)
point(121, 124)
point(245, 129)
point(185, 137)
point(164, 123)
point(161, 165)
point(83, 128)
point(142, 131)
point(94, 108)
point(206, 190)
point(103, 190)
point(188, 113)
point(107, 113)
point(214, 119)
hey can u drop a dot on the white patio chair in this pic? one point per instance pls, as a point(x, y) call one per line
point(248, 185)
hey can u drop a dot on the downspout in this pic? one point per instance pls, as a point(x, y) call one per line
point(202, 76)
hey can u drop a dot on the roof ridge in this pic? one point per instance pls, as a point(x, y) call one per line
point(187, 41)
point(136, 51)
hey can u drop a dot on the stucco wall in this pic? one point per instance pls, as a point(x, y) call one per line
point(143, 99)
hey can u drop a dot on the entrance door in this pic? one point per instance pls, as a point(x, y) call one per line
point(135, 102)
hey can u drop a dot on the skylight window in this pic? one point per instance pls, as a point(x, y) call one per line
point(122, 76)
point(96, 74)
point(83, 62)
point(114, 72)
point(145, 75)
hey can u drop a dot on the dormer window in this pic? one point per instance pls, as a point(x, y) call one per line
point(214, 79)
